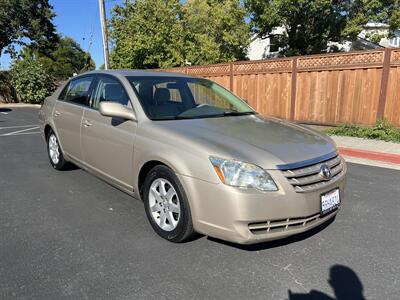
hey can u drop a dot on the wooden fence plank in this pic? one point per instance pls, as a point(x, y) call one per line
point(392, 108)
point(384, 83)
point(293, 89)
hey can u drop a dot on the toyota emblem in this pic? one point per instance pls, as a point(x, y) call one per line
point(325, 172)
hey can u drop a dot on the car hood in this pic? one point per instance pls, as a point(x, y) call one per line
point(264, 141)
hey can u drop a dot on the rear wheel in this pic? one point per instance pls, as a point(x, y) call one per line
point(56, 156)
point(166, 205)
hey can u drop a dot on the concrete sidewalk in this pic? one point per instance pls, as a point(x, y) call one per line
point(367, 151)
point(18, 105)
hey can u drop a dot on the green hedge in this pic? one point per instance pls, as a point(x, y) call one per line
point(382, 130)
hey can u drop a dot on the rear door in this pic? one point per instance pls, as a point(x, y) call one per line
point(107, 143)
point(68, 112)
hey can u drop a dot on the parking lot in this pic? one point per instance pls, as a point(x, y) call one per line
point(69, 235)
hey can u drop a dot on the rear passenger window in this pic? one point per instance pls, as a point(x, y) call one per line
point(78, 90)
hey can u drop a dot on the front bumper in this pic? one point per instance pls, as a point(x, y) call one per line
point(248, 216)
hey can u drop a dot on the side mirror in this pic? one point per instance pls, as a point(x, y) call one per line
point(114, 109)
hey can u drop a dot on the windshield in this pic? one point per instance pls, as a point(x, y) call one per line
point(166, 98)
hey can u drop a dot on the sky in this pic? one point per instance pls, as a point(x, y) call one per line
point(77, 19)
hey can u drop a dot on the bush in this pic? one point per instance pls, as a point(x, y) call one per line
point(32, 84)
point(6, 88)
point(382, 130)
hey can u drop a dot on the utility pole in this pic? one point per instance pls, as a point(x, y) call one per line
point(104, 33)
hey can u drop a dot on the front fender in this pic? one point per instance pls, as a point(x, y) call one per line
point(183, 161)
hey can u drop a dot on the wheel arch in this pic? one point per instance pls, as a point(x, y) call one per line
point(145, 169)
point(50, 127)
point(47, 129)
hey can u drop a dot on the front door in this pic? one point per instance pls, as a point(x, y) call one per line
point(68, 112)
point(107, 143)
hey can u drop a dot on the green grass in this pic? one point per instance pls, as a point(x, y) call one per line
point(382, 130)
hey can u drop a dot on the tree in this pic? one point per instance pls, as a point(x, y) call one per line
point(216, 31)
point(310, 24)
point(31, 81)
point(63, 61)
point(26, 22)
point(6, 89)
point(364, 11)
point(66, 59)
point(169, 33)
point(147, 34)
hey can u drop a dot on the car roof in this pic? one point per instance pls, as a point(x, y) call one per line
point(137, 73)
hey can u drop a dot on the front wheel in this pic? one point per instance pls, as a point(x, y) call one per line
point(56, 156)
point(166, 205)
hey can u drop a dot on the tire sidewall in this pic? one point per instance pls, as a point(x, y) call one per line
point(178, 233)
point(61, 161)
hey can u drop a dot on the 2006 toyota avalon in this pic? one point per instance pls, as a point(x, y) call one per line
point(199, 157)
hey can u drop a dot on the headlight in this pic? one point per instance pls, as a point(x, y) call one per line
point(241, 174)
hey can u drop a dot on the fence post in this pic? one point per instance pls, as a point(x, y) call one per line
point(384, 83)
point(231, 76)
point(293, 89)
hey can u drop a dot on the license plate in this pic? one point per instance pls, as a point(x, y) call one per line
point(330, 201)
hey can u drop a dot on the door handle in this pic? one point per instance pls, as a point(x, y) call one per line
point(86, 123)
point(57, 113)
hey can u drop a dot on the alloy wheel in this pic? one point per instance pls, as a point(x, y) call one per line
point(164, 204)
point(54, 149)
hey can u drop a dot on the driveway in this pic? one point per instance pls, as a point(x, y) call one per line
point(69, 235)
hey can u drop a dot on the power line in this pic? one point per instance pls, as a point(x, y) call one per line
point(91, 32)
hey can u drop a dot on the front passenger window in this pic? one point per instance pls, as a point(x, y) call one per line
point(78, 90)
point(109, 89)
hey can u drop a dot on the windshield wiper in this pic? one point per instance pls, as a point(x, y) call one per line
point(168, 118)
point(227, 113)
point(239, 113)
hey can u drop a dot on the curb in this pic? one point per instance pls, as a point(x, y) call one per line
point(16, 105)
point(371, 155)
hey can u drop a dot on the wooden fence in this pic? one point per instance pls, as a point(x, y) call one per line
point(354, 87)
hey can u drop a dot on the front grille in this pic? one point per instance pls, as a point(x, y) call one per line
point(282, 225)
point(307, 179)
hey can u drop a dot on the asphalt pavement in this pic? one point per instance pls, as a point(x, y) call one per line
point(69, 235)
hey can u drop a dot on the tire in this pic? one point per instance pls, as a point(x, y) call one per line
point(54, 152)
point(167, 209)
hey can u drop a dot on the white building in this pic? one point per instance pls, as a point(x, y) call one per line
point(382, 30)
point(265, 48)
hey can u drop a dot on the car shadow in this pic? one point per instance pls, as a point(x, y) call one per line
point(277, 243)
point(196, 236)
point(5, 109)
point(70, 167)
point(345, 283)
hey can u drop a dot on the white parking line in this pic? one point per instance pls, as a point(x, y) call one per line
point(22, 133)
point(19, 131)
point(4, 113)
point(19, 126)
